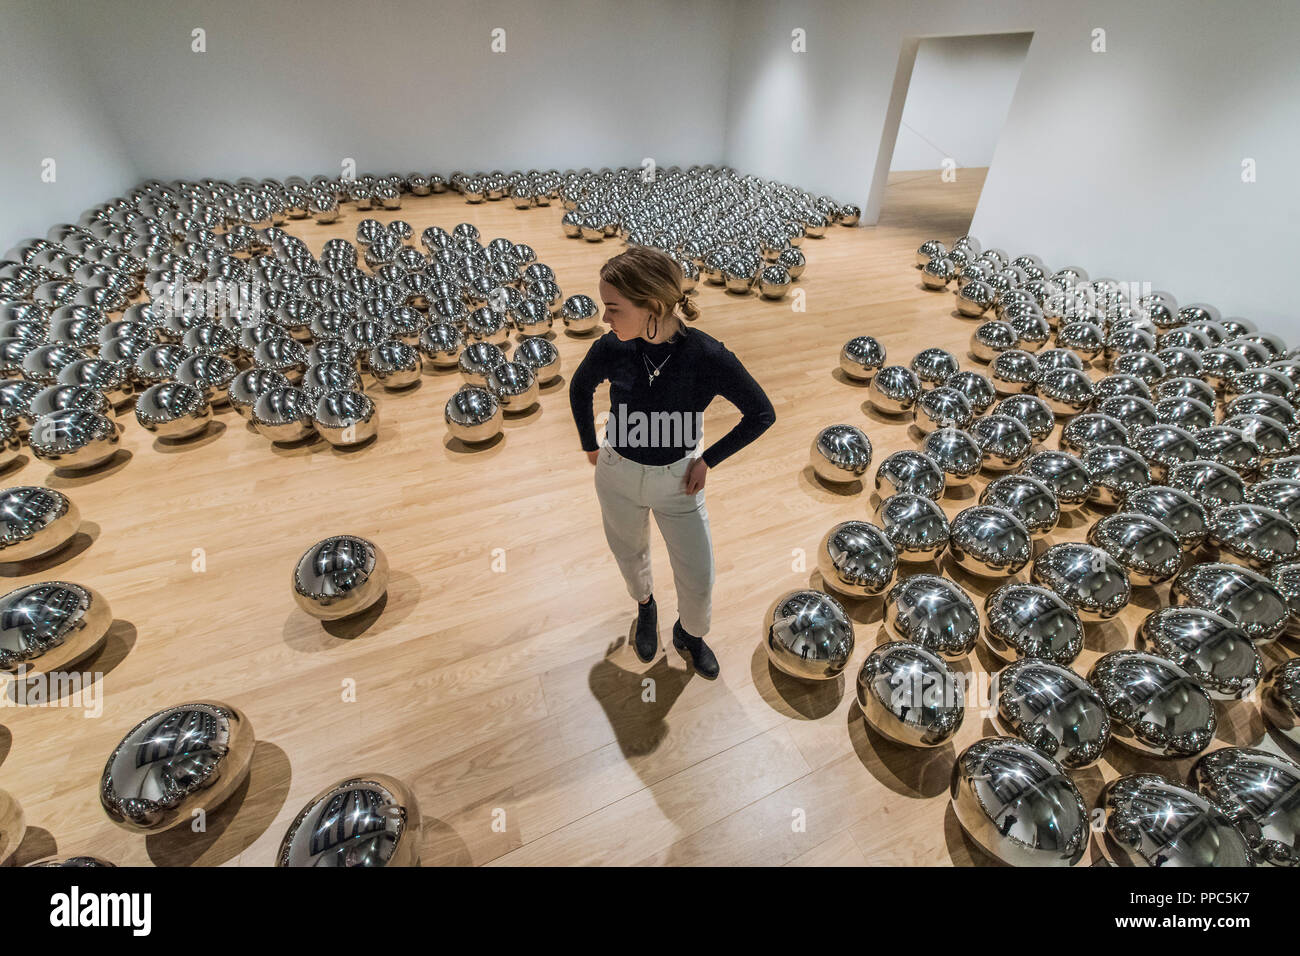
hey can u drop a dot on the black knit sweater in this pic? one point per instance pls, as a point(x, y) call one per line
point(660, 423)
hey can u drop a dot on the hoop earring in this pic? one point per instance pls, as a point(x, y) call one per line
point(655, 319)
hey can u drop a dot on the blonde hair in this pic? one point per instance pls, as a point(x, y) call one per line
point(651, 279)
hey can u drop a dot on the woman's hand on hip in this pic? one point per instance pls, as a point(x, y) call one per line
point(593, 456)
point(695, 475)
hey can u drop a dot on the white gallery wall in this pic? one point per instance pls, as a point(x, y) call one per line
point(61, 155)
point(1127, 162)
point(958, 99)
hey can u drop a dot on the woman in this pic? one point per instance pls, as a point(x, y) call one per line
point(662, 376)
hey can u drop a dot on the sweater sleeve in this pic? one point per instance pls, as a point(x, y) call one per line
point(737, 386)
point(591, 371)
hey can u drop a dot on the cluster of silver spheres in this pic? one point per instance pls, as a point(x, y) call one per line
point(743, 233)
point(1185, 445)
point(236, 311)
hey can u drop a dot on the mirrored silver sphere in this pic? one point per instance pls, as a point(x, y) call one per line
point(35, 522)
point(857, 559)
point(861, 357)
point(910, 471)
point(173, 411)
point(1149, 551)
point(932, 611)
point(1052, 709)
point(49, 626)
point(1206, 645)
point(956, 452)
point(1025, 620)
point(809, 635)
point(340, 576)
point(990, 541)
point(365, 820)
point(894, 389)
point(473, 414)
point(1028, 498)
point(1064, 474)
point(910, 695)
point(1151, 821)
point(1089, 579)
point(915, 525)
point(1260, 793)
point(1155, 706)
point(73, 439)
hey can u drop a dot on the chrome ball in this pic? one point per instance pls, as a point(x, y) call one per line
point(1155, 706)
point(47, 627)
point(977, 389)
point(991, 339)
point(1004, 441)
point(514, 385)
point(1254, 535)
point(990, 541)
point(933, 366)
point(1286, 578)
point(1163, 446)
point(394, 364)
point(910, 695)
point(911, 472)
point(956, 452)
point(809, 635)
point(1176, 510)
point(1151, 821)
point(247, 386)
point(840, 453)
point(473, 414)
point(934, 612)
point(937, 273)
point(974, 298)
point(1091, 429)
point(210, 374)
point(1067, 391)
point(580, 314)
point(1064, 475)
point(55, 398)
point(894, 390)
point(1014, 370)
point(173, 411)
point(1280, 699)
point(1117, 472)
point(861, 358)
point(1031, 411)
point(1089, 579)
point(345, 418)
point(339, 577)
point(1025, 620)
point(477, 359)
point(1052, 709)
point(1149, 551)
point(928, 250)
point(1027, 498)
point(440, 344)
point(539, 355)
point(174, 763)
point(857, 559)
point(1207, 645)
point(1246, 598)
point(941, 407)
point(35, 522)
point(72, 439)
point(915, 525)
point(366, 820)
point(1018, 804)
point(1256, 790)
point(1209, 482)
point(283, 414)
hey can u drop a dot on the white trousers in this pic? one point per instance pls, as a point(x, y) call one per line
point(628, 492)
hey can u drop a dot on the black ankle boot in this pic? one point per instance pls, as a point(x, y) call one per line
point(646, 642)
point(702, 659)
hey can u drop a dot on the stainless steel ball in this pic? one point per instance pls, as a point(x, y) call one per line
point(345, 417)
point(1028, 498)
point(173, 411)
point(809, 635)
point(514, 385)
point(1245, 597)
point(1018, 804)
point(1014, 370)
point(1090, 429)
point(1254, 535)
point(1206, 645)
point(990, 541)
point(990, 339)
point(35, 522)
point(1211, 483)
point(339, 577)
point(894, 389)
point(910, 471)
point(477, 359)
point(47, 627)
point(1155, 706)
point(365, 820)
point(72, 439)
point(1152, 821)
point(915, 525)
point(861, 357)
point(176, 762)
point(974, 298)
point(440, 344)
point(933, 366)
point(1164, 447)
point(1064, 475)
point(977, 389)
point(1149, 551)
point(941, 407)
point(283, 414)
point(934, 612)
point(580, 314)
point(1117, 472)
point(1089, 579)
point(1176, 510)
point(956, 452)
point(910, 695)
point(1052, 709)
point(473, 414)
point(1025, 620)
point(857, 559)
point(1004, 441)
point(247, 386)
point(541, 356)
point(1280, 699)
point(1257, 791)
point(840, 453)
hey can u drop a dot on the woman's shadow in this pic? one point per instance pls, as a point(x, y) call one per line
point(636, 703)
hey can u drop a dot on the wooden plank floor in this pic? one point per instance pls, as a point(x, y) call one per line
point(508, 699)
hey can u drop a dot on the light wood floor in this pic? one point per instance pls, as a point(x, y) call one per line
point(509, 700)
